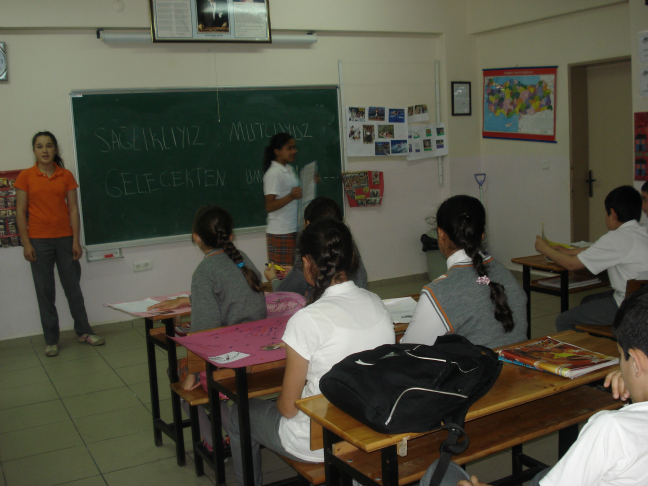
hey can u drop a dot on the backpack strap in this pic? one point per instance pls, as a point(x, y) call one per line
point(451, 446)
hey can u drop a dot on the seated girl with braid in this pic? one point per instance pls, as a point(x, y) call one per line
point(477, 297)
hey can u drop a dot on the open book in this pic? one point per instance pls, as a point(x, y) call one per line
point(576, 280)
point(556, 357)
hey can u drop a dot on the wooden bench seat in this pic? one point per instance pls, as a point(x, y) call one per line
point(604, 331)
point(488, 435)
point(313, 472)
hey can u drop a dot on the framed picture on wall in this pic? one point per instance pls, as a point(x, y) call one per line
point(461, 98)
point(210, 20)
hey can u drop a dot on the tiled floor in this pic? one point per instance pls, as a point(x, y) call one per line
point(83, 418)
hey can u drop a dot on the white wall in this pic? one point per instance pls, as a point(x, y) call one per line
point(46, 65)
point(520, 195)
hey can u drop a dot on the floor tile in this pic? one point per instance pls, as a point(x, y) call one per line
point(2, 478)
point(139, 373)
point(19, 362)
point(547, 322)
point(131, 357)
point(15, 343)
point(143, 391)
point(79, 367)
point(119, 341)
point(82, 385)
point(159, 473)
point(166, 411)
point(547, 305)
point(26, 395)
point(490, 468)
point(33, 416)
point(115, 423)
point(279, 474)
point(93, 481)
point(128, 451)
point(23, 350)
point(29, 376)
point(39, 440)
point(50, 469)
point(544, 449)
point(100, 402)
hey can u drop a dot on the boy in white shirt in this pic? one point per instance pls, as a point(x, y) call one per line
point(612, 448)
point(622, 251)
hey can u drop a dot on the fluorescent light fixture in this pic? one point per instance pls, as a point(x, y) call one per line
point(144, 37)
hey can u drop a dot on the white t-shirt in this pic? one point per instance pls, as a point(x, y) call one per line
point(623, 252)
point(611, 450)
point(344, 320)
point(279, 180)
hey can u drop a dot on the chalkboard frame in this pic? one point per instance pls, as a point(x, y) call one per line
point(186, 237)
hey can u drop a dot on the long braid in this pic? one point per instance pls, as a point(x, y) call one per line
point(464, 220)
point(214, 226)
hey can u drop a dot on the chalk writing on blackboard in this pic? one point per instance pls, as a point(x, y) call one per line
point(248, 132)
point(120, 184)
point(158, 138)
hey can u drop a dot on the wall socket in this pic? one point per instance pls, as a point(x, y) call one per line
point(143, 265)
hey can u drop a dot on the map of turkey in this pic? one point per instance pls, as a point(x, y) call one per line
point(511, 97)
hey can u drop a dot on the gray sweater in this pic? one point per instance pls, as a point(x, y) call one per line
point(220, 295)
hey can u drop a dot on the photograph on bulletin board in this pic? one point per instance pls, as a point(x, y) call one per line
point(640, 146)
point(364, 188)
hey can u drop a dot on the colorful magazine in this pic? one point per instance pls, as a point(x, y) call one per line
point(553, 356)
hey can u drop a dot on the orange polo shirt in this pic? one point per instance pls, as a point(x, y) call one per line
point(46, 201)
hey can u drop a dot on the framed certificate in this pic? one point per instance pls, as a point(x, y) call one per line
point(210, 20)
point(461, 102)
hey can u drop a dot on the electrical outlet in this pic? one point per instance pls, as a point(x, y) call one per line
point(143, 265)
point(545, 164)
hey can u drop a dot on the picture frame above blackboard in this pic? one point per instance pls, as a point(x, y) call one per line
point(238, 21)
point(461, 98)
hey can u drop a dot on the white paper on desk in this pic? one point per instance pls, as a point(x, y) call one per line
point(401, 309)
point(137, 306)
point(228, 357)
point(178, 296)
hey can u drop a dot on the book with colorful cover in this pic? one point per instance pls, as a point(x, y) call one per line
point(557, 357)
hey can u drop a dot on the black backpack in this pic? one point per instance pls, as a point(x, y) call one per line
point(400, 388)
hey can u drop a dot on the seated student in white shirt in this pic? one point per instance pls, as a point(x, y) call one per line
point(612, 448)
point(622, 251)
point(477, 297)
point(343, 319)
point(644, 198)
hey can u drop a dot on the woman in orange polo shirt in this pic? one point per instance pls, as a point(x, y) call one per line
point(51, 237)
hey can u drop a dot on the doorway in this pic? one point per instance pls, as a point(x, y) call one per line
point(601, 134)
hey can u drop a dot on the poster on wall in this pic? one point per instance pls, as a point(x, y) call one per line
point(375, 131)
point(519, 104)
point(364, 188)
point(210, 21)
point(640, 146)
point(417, 113)
point(426, 141)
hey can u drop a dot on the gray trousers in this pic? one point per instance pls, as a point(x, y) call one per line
point(596, 309)
point(455, 473)
point(264, 429)
point(50, 252)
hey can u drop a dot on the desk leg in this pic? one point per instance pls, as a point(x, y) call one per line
point(389, 460)
point(526, 286)
point(175, 398)
point(244, 426)
point(331, 472)
point(217, 442)
point(153, 384)
point(566, 437)
point(564, 291)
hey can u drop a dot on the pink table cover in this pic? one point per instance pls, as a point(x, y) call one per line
point(247, 338)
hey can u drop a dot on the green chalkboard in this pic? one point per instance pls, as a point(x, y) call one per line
point(147, 160)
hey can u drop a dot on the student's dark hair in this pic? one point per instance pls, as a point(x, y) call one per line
point(277, 142)
point(322, 207)
point(463, 219)
point(330, 245)
point(626, 202)
point(57, 157)
point(214, 226)
point(631, 322)
point(644, 188)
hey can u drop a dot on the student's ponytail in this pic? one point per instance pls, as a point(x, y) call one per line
point(329, 244)
point(463, 219)
point(277, 142)
point(214, 226)
point(57, 157)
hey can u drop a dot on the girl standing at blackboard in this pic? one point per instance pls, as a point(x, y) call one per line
point(51, 237)
point(281, 190)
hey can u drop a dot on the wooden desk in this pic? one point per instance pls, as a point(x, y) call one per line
point(158, 337)
point(539, 262)
point(516, 387)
